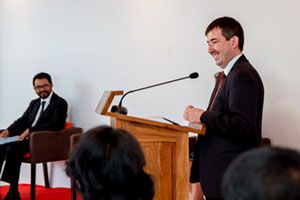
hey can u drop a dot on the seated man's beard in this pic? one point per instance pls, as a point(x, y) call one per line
point(44, 94)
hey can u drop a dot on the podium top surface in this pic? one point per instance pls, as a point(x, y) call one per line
point(156, 123)
point(107, 98)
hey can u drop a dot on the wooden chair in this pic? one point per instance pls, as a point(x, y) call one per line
point(74, 140)
point(48, 146)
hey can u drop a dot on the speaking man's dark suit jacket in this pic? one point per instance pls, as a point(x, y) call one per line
point(52, 118)
point(233, 125)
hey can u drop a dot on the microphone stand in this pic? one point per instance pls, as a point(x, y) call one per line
point(122, 110)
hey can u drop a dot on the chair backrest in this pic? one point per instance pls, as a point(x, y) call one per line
point(47, 146)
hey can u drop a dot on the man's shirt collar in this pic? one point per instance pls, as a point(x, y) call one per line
point(230, 64)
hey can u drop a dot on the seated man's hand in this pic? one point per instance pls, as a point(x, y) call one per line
point(24, 135)
point(4, 134)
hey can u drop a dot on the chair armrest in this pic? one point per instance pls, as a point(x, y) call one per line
point(265, 142)
point(74, 140)
point(47, 146)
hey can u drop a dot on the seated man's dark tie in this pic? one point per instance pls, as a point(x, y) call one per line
point(42, 110)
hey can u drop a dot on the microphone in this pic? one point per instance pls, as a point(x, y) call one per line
point(122, 110)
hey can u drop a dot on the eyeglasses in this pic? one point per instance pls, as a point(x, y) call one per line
point(39, 87)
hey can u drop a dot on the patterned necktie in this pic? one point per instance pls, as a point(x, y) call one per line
point(221, 78)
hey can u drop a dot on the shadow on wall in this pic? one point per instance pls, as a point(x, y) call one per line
point(84, 101)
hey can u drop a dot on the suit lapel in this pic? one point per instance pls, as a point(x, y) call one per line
point(217, 80)
point(34, 110)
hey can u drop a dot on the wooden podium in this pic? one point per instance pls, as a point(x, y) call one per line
point(165, 147)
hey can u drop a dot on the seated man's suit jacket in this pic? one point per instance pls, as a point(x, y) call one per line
point(52, 118)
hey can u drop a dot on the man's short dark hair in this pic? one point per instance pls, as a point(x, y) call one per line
point(269, 173)
point(230, 27)
point(108, 163)
point(42, 75)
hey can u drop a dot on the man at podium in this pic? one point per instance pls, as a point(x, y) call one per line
point(234, 114)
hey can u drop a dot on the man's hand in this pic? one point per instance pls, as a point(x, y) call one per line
point(4, 134)
point(24, 135)
point(192, 114)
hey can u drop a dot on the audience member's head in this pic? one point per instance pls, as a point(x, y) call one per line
point(108, 163)
point(268, 173)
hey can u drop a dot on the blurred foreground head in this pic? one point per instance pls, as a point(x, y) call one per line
point(109, 163)
point(264, 174)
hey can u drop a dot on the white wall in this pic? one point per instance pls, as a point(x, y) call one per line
point(89, 46)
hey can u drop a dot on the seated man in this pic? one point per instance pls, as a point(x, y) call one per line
point(108, 164)
point(48, 112)
point(264, 174)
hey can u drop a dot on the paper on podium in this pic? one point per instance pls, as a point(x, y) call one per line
point(162, 119)
point(9, 139)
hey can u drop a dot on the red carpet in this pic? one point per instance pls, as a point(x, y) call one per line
point(41, 193)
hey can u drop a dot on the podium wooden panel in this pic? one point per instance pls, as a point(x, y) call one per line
point(165, 147)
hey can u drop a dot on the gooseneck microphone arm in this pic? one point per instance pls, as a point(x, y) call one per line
point(151, 86)
point(122, 110)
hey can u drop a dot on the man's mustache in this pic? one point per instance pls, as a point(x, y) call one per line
point(44, 92)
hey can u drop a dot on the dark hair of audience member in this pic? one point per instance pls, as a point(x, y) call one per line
point(109, 164)
point(42, 75)
point(269, 173)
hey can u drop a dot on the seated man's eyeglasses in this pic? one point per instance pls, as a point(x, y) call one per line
point(39, 87)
